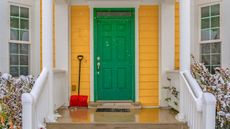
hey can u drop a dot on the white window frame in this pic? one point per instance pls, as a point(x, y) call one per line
point(215, 40)
point(17, 41)
point(210, 41)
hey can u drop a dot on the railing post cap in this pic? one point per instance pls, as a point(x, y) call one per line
point(209, 99)
point(27, 98)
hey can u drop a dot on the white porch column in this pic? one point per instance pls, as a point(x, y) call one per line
point(47, 50)
point(185, 39)
point(47, 34)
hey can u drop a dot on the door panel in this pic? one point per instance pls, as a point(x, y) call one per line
point(114, 59)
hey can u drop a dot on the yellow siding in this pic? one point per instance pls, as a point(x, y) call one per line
point(177, 37)
point(80, 44)
point(148, 51)
point(54, 50)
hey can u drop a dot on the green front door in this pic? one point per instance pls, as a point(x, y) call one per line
point(114, 54)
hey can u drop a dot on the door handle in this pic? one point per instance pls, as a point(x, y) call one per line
point(98, 66)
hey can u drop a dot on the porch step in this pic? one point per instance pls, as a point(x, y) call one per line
point(82, 118)
point(115, 104)
point(116, 126)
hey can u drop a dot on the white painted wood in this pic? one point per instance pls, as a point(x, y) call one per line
point(60, 95)
point(33, 109)
point(184, 47)
point(137, 54)
point(62, 42)
point(91, 56)
point(200, 2)
point(117, 3)
point(173, 76)
point(185, 37)
point(47, 34)
point(225, 53)
point(198, 108)
point(27, 111)
point(167, 43)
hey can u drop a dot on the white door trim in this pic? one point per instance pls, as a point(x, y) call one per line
point(92, 6)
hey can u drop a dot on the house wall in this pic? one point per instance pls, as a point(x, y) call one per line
point(177, 36)
point(149, 55)
point(148, 51)
point(80, 44)
point(5, 34)
point(225, 29)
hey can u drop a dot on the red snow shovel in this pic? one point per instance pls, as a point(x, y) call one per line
point(79, 100)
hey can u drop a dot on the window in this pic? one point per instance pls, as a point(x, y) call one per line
point(210, 22)
point(211, 55)
point(210, 36)
point(19, 59)
point(19, 44)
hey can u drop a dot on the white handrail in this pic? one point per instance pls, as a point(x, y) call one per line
point(39, 85)
point(198, 108)
point(30, 103)
point(194, 89)
point(39, 105)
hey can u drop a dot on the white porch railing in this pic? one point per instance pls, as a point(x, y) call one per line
point(197, 108)
point(46, 96)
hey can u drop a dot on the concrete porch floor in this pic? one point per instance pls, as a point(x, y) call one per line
point(154, 115)
point(136, 119)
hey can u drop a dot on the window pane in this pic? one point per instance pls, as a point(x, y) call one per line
point(216, 48)
point(205, 23)
point(215, 21)
point(205, 34)
point(24, 71)
point(24, 24)
point(13, 48)
point(14, 10)
point(215, 10)
point(24, 60)
point(24, 12)
point(24, 49)
point(14, 71)
point(205, 59)
point(14, 60)
point(215, 34)
point(205, 48)
point(14, 34)
point(215, 60)
point(208, 67)
point(14, 22)
point(205, 11)
point(24, 35)
point(114, 14)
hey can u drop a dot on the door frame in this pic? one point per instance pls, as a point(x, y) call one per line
point(132, 10)
point(106, 5)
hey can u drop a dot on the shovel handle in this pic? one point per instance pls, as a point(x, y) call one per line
point(80, 57)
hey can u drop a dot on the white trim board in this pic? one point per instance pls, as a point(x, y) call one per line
point(114, 3)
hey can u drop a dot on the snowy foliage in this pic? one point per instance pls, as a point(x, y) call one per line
point(11, 90)
point(219, 85)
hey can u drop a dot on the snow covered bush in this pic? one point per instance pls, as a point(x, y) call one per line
point(11, 90)
point(219, 85)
